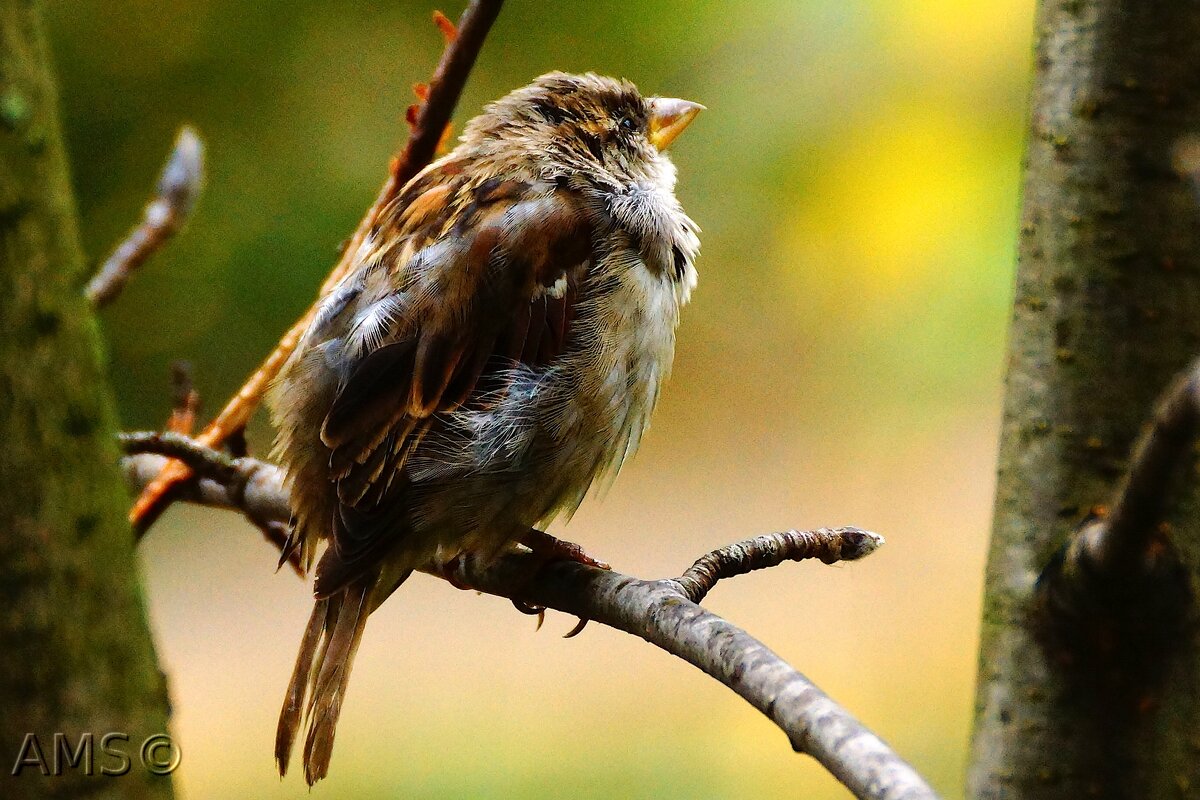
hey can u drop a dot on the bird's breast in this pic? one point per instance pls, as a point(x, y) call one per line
point(607, 385)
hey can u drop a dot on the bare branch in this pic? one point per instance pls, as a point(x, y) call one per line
point(248, 485)
point(827, 544)
point(661, 612)
point(442, 96)
point(262, 495)
point(204, 461)
point(462, 48)
point(178, 189)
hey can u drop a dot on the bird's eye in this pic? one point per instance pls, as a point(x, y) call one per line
point(628, 125)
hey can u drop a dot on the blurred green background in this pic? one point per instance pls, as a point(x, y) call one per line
point(856, 177)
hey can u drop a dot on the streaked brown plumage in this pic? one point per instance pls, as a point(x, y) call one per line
point(497, 346)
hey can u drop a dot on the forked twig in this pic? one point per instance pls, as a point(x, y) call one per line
point(216, 479)
point(445, 87)
point(661, 612)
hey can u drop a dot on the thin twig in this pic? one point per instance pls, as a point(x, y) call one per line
point(178, 189)
point(658, 611)
point(1122, 540)
point(248, 485)
point(204, 461)
point(826, 544)
point(445, 87)
point(263, 497)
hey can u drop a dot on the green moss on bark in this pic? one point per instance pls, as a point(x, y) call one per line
point(75, 648)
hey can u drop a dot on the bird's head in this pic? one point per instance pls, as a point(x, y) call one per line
point(585, 122)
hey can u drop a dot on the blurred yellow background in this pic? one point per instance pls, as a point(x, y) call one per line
point(856, 177)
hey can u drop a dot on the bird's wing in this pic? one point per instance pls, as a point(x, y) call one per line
point(471, 273)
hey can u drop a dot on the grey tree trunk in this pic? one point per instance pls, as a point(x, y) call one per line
point(75, 651)
point(1096, 694)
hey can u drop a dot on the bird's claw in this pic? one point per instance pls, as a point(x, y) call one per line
point(578, 629)
point(531, 609)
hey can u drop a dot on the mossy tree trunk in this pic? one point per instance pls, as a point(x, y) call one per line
point(75, 650)
point(1103, 701)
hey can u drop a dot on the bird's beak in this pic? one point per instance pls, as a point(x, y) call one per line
point(668, 117)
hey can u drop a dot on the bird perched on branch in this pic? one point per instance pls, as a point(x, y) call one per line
point(497, 346)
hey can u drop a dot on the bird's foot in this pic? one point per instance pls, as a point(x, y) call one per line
point(550, 548)
point(547, 549)
point(452, 569)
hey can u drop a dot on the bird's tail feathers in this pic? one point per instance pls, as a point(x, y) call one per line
point(319, 680)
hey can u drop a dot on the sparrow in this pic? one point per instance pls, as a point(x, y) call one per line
point(496, 348)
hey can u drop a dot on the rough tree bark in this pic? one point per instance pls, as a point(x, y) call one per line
point(75, 650)
point(1089, 680)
